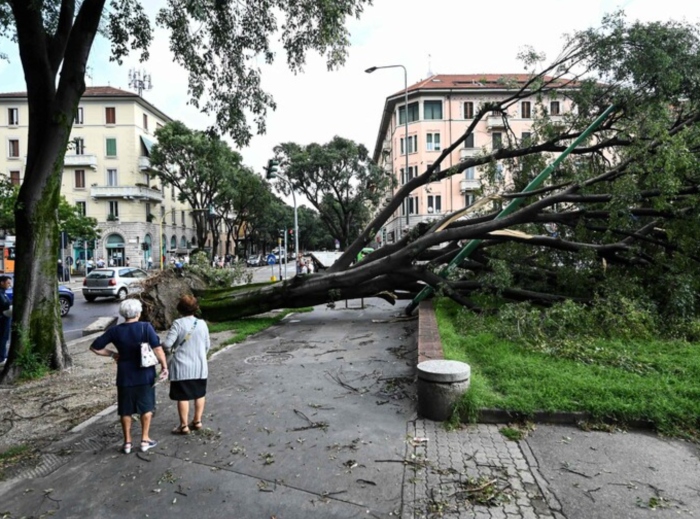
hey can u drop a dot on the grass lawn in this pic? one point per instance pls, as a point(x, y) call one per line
point(244, 328)
point(658, 382)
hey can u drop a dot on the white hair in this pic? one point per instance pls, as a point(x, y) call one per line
point(130, 308)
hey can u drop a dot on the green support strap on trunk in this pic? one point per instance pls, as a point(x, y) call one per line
point(511, 207)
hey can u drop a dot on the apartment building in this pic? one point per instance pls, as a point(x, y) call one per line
point(108, 175)
point(439, 111)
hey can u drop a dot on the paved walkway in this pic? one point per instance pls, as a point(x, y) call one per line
point(315, 417)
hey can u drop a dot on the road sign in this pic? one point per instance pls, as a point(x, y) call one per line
point(271, 259)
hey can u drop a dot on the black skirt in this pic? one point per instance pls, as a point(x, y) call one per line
point(181, 390)
point(136, 400)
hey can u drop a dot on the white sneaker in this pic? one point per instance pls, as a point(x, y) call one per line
point(148, 445)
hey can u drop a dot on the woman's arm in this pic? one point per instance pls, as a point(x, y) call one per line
point(105, 353)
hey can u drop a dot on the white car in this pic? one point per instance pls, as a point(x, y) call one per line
point(114, 282)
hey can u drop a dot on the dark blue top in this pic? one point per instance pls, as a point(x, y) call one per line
point(127, 337)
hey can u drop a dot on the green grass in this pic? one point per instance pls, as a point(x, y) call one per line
point(507, 375)
point(244, 328)
point(13, 456)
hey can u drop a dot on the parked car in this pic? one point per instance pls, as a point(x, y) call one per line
point(113, 282)
point(66, 298)
point(254, 260)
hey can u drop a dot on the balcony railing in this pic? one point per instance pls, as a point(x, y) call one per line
point(494, 121)
point(80, 161)
point(145, 163)
point(468, 152)
point(470, 184)
point(127, 193)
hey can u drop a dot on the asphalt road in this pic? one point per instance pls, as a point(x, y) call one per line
point(83, 314)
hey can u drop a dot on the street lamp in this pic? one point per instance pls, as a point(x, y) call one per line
point(405, 120)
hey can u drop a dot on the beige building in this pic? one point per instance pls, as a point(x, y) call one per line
point(440, 109)
point(107, 174)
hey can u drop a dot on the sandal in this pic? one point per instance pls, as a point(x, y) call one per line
point(196, 425)
point(181, 429)
point(126, 448)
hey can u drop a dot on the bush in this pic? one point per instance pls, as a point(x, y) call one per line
point(218, 277)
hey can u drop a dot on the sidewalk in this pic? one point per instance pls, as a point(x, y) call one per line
point(315, 417)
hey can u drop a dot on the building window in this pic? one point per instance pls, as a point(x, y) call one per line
point(434, 203)
point(469, 110)
point(112, 177)
point(412, 113)
point(82, 208)
point(78, 116)
point(497, 140)
point(172, 192)
point(14, 178)
point(432, 110)
point(145, 121)
point(554, 108)
point(412, 144)
point(432, 142)
point(173, 216)
point(525, 110)
point(113, 209)
point(79, 146)
point(110, 115)
point(469, 199)
point(12, 116)
point(148, 212)
point(469, 141)
point(158, 125)
point(80, 179)
point(111, 145)
point(469, 173)
point(182, 218)
point(13, 148)
point(412, 205)
point(526, 138)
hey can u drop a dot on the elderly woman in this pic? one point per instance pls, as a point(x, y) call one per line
point(188, 341)
point(136, 392)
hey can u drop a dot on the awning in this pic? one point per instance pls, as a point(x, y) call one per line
point(148, 143)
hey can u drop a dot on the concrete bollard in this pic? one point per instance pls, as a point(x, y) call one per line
point(441, 383)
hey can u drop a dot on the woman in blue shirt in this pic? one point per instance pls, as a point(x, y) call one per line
point(136, 392)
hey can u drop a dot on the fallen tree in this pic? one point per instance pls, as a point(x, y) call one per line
point(619, 215)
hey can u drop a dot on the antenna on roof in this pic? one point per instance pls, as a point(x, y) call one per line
point(430, 72)
point(140, 80)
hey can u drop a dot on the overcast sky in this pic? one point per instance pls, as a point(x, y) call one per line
point(441, 36)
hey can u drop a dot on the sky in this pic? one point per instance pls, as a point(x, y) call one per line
point(439, 36)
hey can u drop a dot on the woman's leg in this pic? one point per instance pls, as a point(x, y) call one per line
point(126, 427)
point(146, 426)
point(198, 409)
point(183, 409)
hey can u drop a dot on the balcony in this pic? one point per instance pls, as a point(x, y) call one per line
point(127, 193)
point(494, 122)
point(78, 161)
point(145, 164)
point(468, 152)
point(470, 184)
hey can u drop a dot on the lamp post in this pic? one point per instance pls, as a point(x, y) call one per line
point(405, 120)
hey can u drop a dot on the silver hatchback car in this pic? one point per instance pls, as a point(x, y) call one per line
point(113, 282)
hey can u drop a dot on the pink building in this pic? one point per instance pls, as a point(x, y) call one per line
point(440, 109)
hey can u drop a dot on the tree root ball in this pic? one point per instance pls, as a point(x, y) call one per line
point(161, 294)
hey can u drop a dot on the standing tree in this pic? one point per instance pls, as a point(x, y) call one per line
point(338, 179)
point(199, 165)
point(217, 41)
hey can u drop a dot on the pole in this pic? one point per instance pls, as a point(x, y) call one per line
point(279, 249)
point(286, 257)
point(162, 248)
point(296, 228)
point(512, 206)
point(405, 110)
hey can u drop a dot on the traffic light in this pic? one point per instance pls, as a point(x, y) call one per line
point(272, 168)
point(281, 233)
point(291, 233)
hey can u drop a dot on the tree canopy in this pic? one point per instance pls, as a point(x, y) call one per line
point(338, 179)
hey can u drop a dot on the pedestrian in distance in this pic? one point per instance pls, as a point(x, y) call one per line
point(5, 318)
point(188, 342)
point(136, 393)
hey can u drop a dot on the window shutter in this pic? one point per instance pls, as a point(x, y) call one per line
point(111, 147)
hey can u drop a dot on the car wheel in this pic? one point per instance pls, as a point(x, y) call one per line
point(89, 299)
point(121, 295)
point(65, 306)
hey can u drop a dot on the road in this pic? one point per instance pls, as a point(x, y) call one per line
point(83, 313)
